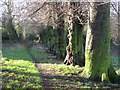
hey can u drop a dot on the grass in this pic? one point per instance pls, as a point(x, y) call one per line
point(65, 76)
point(16, 51)
point(18, 68)
point(116, 64)
point(43, 57)
point(68, 70)
point(19, 71)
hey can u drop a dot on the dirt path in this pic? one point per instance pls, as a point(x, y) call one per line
point(52, 78)
point(46, 76)
point(45, 73)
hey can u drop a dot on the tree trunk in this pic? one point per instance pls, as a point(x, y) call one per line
point(75, 54)
point(61, 32)
point(119, 30)
point(97, 54)
point(69, 59)
point(10, 27)
point(78, 43)
point(0, 44)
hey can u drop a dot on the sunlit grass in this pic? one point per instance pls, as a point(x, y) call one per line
point(12, 52)
point(18, 69)
point(69, 70)
point(43, 57)
point(69, 76)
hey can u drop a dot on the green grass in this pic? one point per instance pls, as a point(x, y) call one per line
point(68, 70)
point(15, 52)
point(68, 76)
point(116, 64)
point(18, 69)
point(115, 58)
point(43, 57)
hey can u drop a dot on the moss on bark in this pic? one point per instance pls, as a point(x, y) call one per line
point(97, 60)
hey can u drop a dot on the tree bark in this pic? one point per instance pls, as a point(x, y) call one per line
point(12, 32)
point(69, 59)
point(61, 32)
point(75, 54)
point(119, 30)
point(78, 43)
point(0, 44)
point(97, 54)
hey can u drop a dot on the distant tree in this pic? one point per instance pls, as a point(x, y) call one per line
point(0, 42)
point(119, 25)
point(8, 21)
point(114, 22)
point(58, 16)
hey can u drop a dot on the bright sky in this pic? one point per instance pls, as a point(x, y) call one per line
point(16, 2)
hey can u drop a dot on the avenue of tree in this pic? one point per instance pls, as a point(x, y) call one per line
point(76, 32)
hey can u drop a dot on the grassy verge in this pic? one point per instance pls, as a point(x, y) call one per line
point(18, 69)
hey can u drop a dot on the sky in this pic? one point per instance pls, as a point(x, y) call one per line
point(2, 7)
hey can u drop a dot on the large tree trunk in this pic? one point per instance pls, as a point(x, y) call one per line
point(97, 55)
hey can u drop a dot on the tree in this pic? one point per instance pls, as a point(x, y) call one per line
point(8, 23)
point(69, 59)
point(119, 24)
point(75, 53)
point(0, 43)
point(61, 33)
point(98, 64)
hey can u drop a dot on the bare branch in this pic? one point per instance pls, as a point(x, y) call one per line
point(38, 9)
point(114, 8)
